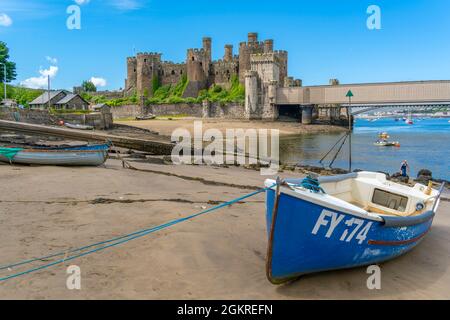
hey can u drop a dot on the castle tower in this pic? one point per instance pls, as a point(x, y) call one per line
point(245, 50)
point(147, 66)
point(252, 37)
point(251, 95)
point(228, 57)
point(197, 77)
point(131, 81)
point(283, 64)
point(268, 46)
point(208, 54)
point(266, 66)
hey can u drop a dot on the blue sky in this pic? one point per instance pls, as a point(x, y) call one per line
point(325, 38)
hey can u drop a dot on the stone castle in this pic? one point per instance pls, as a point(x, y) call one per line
point(147, 69)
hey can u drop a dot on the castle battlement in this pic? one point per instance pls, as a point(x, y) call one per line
point(156, 54)
point(264, 58)
point(222, 62)
point(171, 63)
point(197, 50)
point(251, 74)
point(281, 52)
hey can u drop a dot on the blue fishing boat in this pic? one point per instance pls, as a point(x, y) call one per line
point(88, 155)
point(345, 221)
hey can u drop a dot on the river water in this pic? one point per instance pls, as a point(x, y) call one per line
point(425, 144)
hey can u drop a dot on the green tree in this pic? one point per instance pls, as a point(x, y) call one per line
point(10, 66)
point(88, 86)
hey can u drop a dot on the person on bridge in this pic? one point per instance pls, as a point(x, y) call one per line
point(404, 169)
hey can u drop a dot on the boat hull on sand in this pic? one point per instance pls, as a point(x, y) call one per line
point(310, 233)
point(70, 156)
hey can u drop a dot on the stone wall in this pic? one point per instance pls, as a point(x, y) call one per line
point(227, 111)
point(213, 110)
point(128, 111)
point(192, 110)
point(33, 116)
point(98, 120)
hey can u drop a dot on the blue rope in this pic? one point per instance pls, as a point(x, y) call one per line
point(118, 240)
point(312, 184)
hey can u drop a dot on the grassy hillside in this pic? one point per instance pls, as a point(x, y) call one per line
point(22, 95)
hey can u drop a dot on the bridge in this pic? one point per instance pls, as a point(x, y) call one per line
point(367, 97)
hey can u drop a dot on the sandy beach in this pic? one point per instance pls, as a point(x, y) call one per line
point(165, 127)
point(217, 256)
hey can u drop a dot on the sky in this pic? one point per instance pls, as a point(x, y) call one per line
point(325, 38)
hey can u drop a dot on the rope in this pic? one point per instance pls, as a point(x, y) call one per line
point(312, 184)
point(339, 150)
point(118, 240)
point(334, 146)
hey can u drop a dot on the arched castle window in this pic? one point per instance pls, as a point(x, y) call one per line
point(193, 59)
point(173, 72)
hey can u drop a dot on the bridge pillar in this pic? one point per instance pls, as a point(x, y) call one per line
point(307, 113)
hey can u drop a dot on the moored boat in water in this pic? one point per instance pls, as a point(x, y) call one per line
point(385, 143)
point(342, 222)
point(89, 155)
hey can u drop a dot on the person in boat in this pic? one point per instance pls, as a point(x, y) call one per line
point(404, 169)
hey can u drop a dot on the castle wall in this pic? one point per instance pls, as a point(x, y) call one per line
point(223, 71)
point(171, 73)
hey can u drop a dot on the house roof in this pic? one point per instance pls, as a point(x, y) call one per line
point(67, 98)
point(43, 98)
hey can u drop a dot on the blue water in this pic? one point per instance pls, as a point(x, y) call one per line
point(426, 144)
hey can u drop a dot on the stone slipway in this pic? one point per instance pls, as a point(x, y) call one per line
point(156, 145)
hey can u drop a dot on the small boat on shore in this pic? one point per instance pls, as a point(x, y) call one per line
point(78, 126)
point(343, 221)
point(89, 155)
point(146, 117)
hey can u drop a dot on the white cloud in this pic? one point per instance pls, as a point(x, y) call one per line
point(5, 20)
point(127, 4)
point(98, 82)
point(41, 81)
point(51, 60)
point(81, 2)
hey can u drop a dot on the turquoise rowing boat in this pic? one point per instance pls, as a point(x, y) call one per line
point(90, 155)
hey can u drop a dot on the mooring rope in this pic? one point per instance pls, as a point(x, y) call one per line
point(116, 241)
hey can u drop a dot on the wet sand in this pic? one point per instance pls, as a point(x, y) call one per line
point(217, 256)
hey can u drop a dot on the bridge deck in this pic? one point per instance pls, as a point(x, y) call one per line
point(419, 92)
